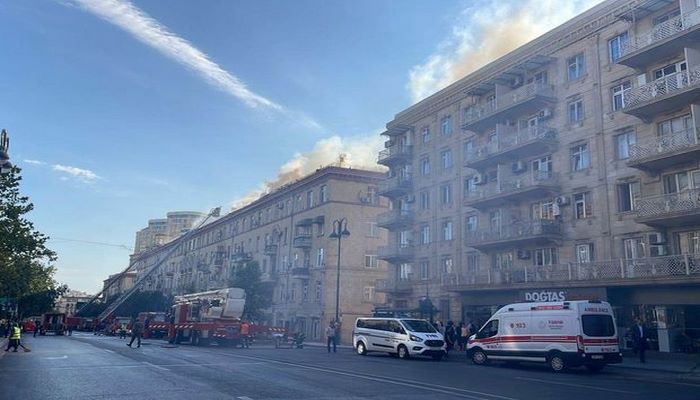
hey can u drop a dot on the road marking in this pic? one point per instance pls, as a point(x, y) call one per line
point(156, 366)
point(108, 351)
point(664, 382)
point(552, 382)
point(422, 386)
point(244, 398)
point(55, 358)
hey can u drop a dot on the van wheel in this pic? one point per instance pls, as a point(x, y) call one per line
point(479, 357)
point(361, 349)
point(402, 352)
point(556, 362)
point(595, 367)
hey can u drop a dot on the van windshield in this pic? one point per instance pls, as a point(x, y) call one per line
point(418, 325)
point(598, 325)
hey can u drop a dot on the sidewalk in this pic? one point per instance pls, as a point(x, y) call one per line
point(667, 362)
point(323, 344)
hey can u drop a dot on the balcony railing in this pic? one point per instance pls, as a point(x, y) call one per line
point(536, 183)
point(395, 218)
point(396, 186)
point(301, 272)
point(302, 240)
point(241, 256)
point(504, 102)
point(665, 146)
point(683, 205)
point(650, 268)
point(663, 88)
point(517, 230)
point(270, 249)
point(395, 153)
point(402, 252)
point(661, 32)
point(395, 285)
point(507, 143)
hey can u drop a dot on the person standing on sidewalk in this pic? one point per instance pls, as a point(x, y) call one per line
point(639, 336)
point(136, 331)
point(331, 336)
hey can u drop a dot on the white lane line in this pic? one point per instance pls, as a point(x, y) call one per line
point(422, 386)
point(244, 398)
point(551, 382)
point(155, 366)
point(108, 351)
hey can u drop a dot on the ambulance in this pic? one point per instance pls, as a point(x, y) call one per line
point(563, 334)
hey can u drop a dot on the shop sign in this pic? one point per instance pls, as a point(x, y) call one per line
point(545, 295)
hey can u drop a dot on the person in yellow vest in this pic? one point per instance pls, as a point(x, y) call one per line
point(15, 335)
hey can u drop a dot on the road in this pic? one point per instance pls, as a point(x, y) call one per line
point(85, 366)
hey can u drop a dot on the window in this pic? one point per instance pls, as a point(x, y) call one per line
point(582, 205)
point(425, 166)
point(618, 95)
point(318, 290)
point(424, 270)
point(584, 253)
point(309, 199)
point(373, 231)
point(368, 294)
point(617, 46)
point(305, 291)
point(489, 330)
point(623, 143)
point(468, 148)
point(425, 200)
point(575, 111)
point(470, 223)
point(472, 262)
point(670, 69)
point(320, 260)
point(425, 134)
point(634, 248)
point(542, 167)
point(678, 126)
point(446, 157)
point(446, 125)
point(447, 230)
point(546, 256)
point(627, 194)
point(681, 181)
point(446, 194)
point(405, 272)
point(579, 157)
point(425, 234)
point(371, 261)
point(576, 67)
point(540, 77)
point(469, 186)
point(448, 265)
point(543, 210)
point(323, 194)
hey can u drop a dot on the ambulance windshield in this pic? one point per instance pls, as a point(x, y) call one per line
point(598, 325)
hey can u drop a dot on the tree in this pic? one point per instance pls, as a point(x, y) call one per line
point(37, 303)
point(258, 296)
point(26, 273)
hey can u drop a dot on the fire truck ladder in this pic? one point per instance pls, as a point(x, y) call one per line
point(124, 296)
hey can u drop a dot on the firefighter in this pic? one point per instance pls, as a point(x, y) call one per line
point(15, 336)
point(136, 332)
point(245, 335)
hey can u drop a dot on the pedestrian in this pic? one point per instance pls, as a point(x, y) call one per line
point(37, 327)
point(122, 331)
point(15, 336)
point(331, 336)
point(463, 336)
point(639, 337)
point(450, 336)
point(245, 333)
point(136, 332)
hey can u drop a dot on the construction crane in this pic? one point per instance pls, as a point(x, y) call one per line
point(137, 285)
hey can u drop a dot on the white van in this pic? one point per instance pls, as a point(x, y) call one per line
point(562, 334)
point(404, 337)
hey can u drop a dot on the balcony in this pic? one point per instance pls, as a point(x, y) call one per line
point(669, 93)
point(396, 154)
point(241, 256)
point(666, 151)
point(526, 99)
point(395, 219)
point(270, 250)
point(513, 146)
point(663, 41)
point(305, 222)
point(301, 272)
point(396, 186)
point(535, 185)
point(302, 241)
point(682, 269)
point(514, 235)
point(395, 286)
point(670, 210)
point(396, 254)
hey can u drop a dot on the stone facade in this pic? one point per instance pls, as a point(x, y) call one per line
point(162, 230)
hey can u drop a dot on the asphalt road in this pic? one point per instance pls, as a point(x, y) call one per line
point(85, 366)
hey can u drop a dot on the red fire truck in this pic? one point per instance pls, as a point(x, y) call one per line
point(208, 317)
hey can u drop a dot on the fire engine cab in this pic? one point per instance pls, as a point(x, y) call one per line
point(562, 334)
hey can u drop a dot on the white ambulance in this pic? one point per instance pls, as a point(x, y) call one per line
point(562, 334)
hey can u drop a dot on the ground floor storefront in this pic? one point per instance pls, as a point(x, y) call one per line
point(671, 312)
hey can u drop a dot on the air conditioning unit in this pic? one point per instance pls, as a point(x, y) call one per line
point(562, 200)
point(479, 179)
point(546, 113)
point(519, 166)
point(524, 254)
point(656, 238)
point(658, 250)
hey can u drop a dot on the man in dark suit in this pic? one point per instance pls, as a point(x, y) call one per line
point(639, 336)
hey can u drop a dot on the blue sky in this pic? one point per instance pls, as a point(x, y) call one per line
point(113, 123)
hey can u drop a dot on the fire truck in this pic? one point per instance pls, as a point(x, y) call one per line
point(53, 323)
point(208, 317)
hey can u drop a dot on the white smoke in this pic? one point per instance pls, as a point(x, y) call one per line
point(486, 30)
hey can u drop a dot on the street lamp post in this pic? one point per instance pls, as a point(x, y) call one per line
point(340, 229)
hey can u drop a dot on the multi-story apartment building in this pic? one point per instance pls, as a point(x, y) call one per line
point(288, 233)
point(117, 284)
point(162, 230)
point(568, 168)
point(72, 301)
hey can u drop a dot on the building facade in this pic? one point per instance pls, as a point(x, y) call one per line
point(566, 169)
point(288, 233)
point(117, 284)
point(162, 230)
point(72, 301)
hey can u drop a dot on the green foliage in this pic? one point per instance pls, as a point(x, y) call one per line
point(25, 270)
point(39, 302)
point(141, 302)
point(258, 295)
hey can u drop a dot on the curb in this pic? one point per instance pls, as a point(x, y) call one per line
point(3, 345)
